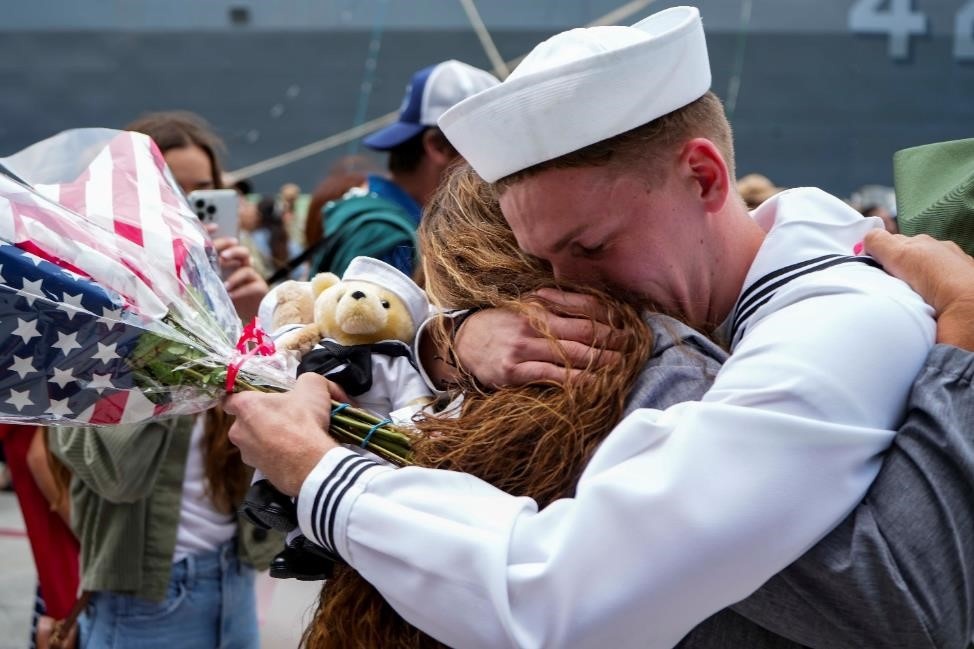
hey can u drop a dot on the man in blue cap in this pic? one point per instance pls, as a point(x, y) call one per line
point(380, 220)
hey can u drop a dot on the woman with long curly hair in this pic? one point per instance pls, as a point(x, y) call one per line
point(532, 440)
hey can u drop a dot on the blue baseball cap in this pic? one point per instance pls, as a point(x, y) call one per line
point(430, 93)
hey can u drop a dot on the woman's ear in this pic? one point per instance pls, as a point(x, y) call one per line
point(709, 172)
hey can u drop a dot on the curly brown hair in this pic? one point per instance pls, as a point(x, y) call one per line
point(532, 440)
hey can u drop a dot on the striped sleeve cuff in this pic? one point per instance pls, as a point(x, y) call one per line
point(329, 491)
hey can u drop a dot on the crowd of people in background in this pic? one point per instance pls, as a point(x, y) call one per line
point(144, 519)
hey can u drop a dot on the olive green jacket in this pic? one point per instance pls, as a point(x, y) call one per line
point(125, 495)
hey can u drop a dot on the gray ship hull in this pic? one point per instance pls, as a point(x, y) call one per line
point(812, 104)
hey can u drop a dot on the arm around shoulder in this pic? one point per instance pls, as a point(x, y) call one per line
point(895, 573)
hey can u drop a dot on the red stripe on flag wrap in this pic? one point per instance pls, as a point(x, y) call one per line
point(125, 195)
point(109, 409)
point(43, 231)
point(28, 246)
point(122, 407)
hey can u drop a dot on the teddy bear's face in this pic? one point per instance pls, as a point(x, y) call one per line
point(357, 313)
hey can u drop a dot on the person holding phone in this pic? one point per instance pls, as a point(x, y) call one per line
point(190, 148)
point(219, 208)
point(167, 559)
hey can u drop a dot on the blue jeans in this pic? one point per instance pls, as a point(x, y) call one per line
point(209, 604)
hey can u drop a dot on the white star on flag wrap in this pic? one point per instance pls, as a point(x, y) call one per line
point(56, 365)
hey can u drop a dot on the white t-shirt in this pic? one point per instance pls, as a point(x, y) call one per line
point(202, 528)
point(680, 512)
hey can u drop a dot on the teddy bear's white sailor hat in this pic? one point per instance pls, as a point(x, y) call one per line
point(367, 269)
point(580, 87)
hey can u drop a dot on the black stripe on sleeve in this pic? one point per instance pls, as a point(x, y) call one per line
point(334, 485)
point(766, 284)
point(332, 507)
point(321, 488)
point(741, 301)
point(760, 298)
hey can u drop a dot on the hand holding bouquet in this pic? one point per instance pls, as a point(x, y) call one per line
point(111, 310)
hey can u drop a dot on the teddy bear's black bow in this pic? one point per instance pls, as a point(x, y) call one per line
point(348, 366)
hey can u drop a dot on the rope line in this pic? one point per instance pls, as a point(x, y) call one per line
point(338, 139)
point(368, 76)
point(621, 13)
point(500, 67)
point(734, 84)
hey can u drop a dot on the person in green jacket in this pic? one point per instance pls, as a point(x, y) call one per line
point(164, 555)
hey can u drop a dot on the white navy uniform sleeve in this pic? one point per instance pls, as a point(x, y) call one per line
point(679, 513)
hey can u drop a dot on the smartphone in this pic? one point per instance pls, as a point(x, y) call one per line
point(218, 206)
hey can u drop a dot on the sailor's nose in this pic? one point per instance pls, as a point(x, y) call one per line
point(358, 295)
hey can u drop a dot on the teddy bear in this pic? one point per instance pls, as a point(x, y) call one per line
point(360, 333)
point(355, 330)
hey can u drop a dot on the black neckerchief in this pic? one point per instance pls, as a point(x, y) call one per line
point(356, 375)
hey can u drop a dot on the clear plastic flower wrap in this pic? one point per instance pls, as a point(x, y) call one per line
point(111, 307)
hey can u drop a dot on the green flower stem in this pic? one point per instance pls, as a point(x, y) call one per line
point(351, 426)
point(397, 455)
point(162, 363)
point(382, 432)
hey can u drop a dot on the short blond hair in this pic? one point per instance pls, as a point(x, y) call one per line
point(755, 189)
point(648, 145)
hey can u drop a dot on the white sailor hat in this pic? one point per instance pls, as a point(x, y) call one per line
point(580, 87)
point(367, 269)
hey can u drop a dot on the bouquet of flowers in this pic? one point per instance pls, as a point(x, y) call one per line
point(111, 307)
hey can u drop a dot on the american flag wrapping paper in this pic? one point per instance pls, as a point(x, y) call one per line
point(111, 310)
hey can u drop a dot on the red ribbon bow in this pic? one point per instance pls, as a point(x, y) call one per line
point(254, 341)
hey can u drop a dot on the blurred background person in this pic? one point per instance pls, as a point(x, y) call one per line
point(271, 241)
point(755, 189)
point(251, 233)
point(164, 555)
point(349, 172)
point(40, 484)
point(381, 220)
point(877, 200)
point(247, 208)
point(188, 144)
point(190, 148)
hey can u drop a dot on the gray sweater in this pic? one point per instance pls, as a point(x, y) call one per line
point(682, 367)
point(895, 572)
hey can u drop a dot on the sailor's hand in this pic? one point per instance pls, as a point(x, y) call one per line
point(284, 435)
point(939, 271)
point(501, 347)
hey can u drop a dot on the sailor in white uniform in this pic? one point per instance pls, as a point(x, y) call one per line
point(680, 512)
